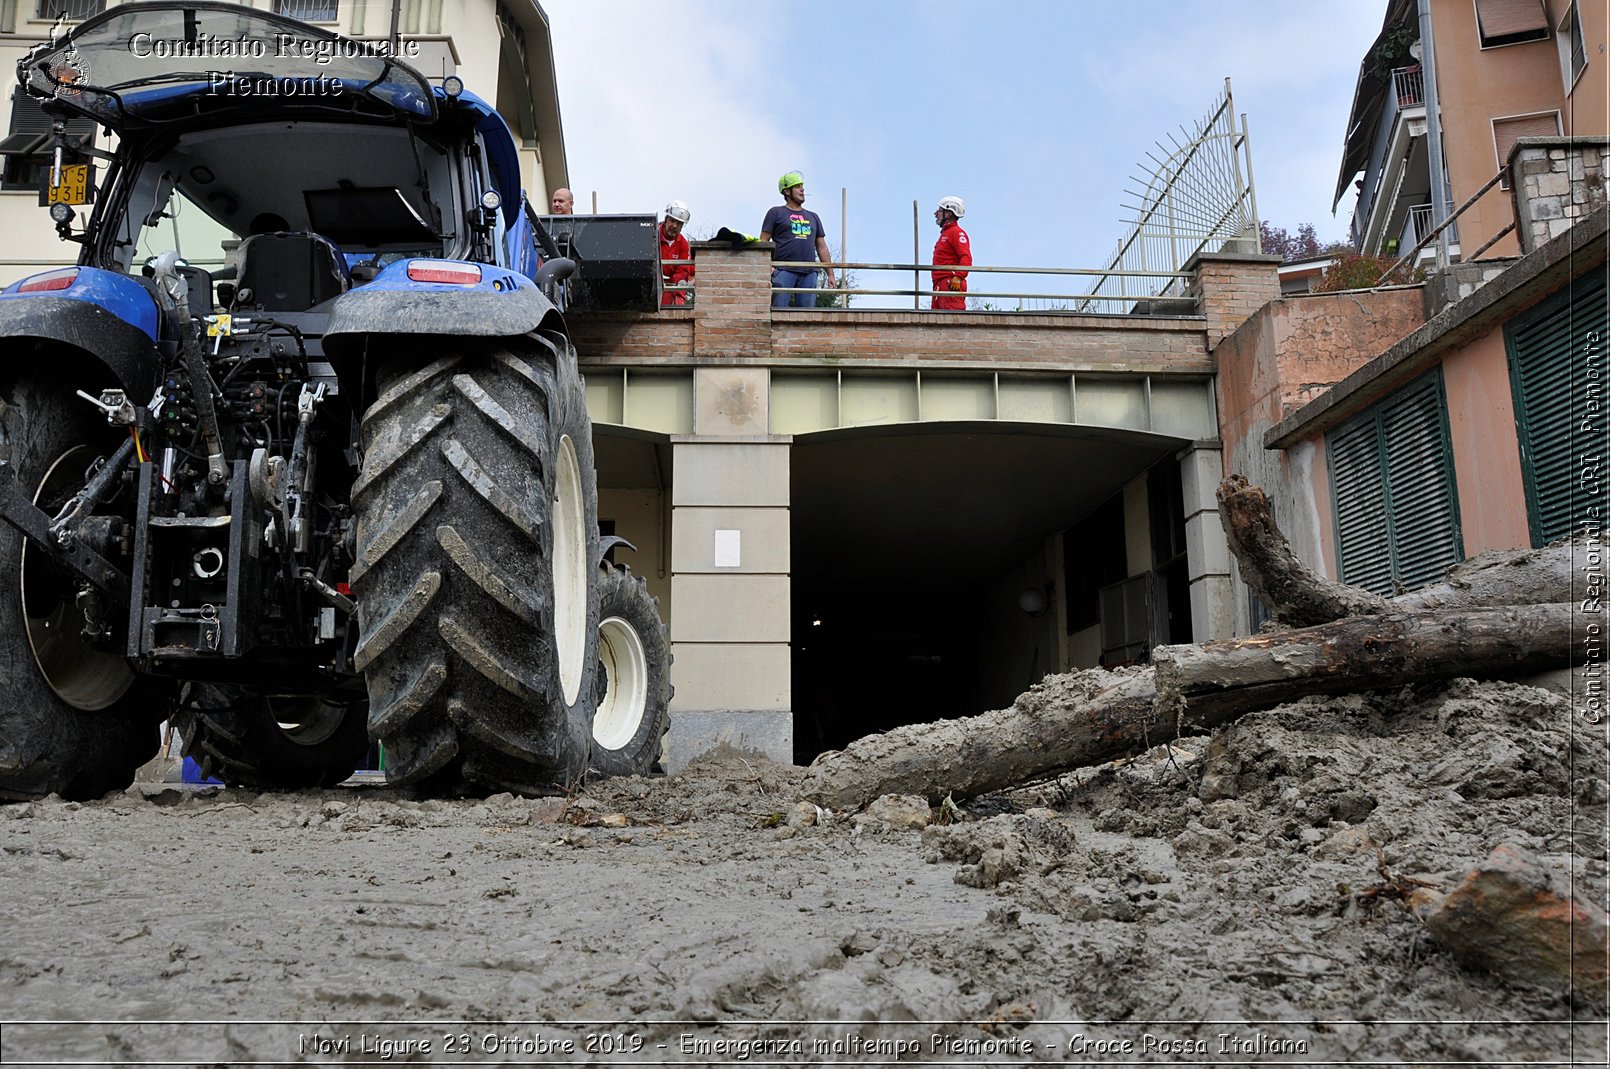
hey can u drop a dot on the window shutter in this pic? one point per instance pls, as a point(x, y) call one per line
point(1425, 535)
point(1392, 490)
point(1507, 131)
point(1503, 21)
point(1358, 494)
point(1549, 353)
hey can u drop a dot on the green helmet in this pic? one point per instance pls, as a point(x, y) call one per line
point(789, 181)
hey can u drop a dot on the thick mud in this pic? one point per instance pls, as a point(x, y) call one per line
point(1237, 900)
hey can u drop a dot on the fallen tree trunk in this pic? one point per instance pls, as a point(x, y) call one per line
point(1498, 614)
point(1298, 596)
point(1215, 683)
point(1294, 593)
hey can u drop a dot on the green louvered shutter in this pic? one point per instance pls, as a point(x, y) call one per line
point(1392, 491)
point(1420, 489)
point(1358, 496)
point(1556, 359)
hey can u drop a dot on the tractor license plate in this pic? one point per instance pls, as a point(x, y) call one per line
point(73, 187)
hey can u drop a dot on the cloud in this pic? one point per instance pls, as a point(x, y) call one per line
point(663, 102)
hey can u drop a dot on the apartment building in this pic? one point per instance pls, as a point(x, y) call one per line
point(1443, 94)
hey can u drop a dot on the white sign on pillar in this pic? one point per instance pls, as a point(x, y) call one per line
point(727, 549)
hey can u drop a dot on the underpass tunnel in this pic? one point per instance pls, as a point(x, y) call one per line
point(939, 570)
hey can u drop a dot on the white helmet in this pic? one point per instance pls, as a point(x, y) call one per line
point(677, 210)
point(953, 205)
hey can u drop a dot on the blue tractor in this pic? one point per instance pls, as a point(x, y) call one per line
point(297, 456)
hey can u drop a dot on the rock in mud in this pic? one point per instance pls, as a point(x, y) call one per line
point(900, 812)
point(1514, 916)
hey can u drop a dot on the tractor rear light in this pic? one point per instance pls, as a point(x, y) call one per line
point(448, 271)
point(49, 281)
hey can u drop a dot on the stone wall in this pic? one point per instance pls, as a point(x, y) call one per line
point(1557, 182)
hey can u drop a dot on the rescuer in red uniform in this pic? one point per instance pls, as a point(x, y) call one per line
point(951, 248)
point(673, 246)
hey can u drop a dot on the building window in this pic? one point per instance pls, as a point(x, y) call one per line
point(1507, 131)
point(72, 10)
point(309, 10)
point(1557, 354)
point(1392, 491)
point(1573, 50)
point(26, 151)
point(1511, 22)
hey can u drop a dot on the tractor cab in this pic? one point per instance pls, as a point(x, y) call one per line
point(285, 165)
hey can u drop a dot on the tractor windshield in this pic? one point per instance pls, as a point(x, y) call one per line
point(376, 191)
point(157, 62)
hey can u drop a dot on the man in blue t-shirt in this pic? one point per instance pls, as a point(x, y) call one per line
point(799, 235)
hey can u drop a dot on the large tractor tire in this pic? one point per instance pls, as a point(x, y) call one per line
point(477, 597)
point(74, 720)
point(634, 664)
point(274, 742)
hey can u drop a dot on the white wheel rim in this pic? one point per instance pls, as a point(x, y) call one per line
point(620, 713)
point(569, 571)
point(83, 677)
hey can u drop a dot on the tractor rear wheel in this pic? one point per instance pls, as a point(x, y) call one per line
point(477, 599)
point(74, 718)
point(635, 668)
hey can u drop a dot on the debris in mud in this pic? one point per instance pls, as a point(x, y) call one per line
point(1514, 915)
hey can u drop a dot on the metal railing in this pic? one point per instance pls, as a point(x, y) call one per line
point(1447, 224)
point(309, 10)
point(1125, 293)
point(1409, 83)
point(1417, 225)
point(1197, 198)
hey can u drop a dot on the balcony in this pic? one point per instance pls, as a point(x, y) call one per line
point(1399, 169)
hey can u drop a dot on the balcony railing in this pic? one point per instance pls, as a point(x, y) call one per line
point(1409, 83)
point(997, 290)
point(1418, 226)
point(309, 10)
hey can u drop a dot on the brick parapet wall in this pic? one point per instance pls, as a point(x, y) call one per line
point(732, 303)
point(1557, 182)
point(1231, 287)
point(731, 322)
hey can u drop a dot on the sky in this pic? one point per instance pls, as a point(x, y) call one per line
point(1039, 113)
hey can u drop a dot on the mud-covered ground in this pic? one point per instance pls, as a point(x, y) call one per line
point(1235, 901)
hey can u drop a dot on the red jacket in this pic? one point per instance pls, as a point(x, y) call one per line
point(952, 248)
point(675, 249)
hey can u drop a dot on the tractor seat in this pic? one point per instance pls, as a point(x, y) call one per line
point(289, 272)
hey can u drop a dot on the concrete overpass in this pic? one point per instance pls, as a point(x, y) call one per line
point(858, 518)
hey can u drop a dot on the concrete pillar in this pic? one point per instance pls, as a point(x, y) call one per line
point(1207, 552)
point(730, 563)
point(730, 589)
